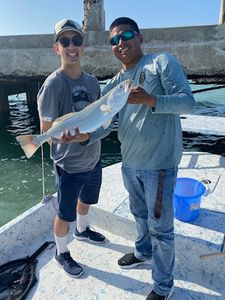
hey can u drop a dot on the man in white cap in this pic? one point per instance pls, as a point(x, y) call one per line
point(77, 164)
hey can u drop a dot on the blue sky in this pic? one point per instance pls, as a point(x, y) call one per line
point(39, 16)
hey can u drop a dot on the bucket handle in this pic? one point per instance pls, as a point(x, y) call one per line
point(207, 183)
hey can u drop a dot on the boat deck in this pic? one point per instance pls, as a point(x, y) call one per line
point(195, 278)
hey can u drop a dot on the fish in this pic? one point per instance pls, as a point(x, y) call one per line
point(97, 114)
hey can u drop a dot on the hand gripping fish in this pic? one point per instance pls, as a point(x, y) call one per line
point(93, 116)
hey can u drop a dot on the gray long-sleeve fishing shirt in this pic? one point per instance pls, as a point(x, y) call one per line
point(152, 139)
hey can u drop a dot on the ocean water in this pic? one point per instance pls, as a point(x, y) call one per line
point(24, 182)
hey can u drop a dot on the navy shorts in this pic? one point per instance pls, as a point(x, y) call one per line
point(85, 186)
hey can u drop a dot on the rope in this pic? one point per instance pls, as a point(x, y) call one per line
point(42, 162)
point(42, 172)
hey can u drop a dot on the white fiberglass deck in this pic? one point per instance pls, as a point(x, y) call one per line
point(103, 279)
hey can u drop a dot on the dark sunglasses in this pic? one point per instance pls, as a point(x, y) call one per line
point(75, 40)
point(124, 36)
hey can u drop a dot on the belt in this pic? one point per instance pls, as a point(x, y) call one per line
point(158, 203)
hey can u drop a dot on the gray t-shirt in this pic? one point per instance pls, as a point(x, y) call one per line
point(58, 96)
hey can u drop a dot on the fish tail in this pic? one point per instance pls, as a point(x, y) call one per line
point(26, 142)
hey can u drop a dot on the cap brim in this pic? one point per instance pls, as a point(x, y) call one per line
point(68, 29)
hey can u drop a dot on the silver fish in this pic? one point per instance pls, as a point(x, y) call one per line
point(93, 116)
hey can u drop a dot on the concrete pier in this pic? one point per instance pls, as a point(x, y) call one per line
point(94, 15)
point(201, 50)
point(12, 88)
point(28, 59)
point(222, 12)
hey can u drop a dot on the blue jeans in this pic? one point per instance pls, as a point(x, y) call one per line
point(155, 235)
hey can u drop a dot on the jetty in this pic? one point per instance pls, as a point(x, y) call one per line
point(26, 60)
point(195, 278)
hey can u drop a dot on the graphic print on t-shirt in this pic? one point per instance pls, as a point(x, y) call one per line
point(80, 98)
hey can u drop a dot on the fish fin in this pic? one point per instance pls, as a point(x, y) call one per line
point(106, 107)
point(107, 123)
point(27, 145)
point(63, 118)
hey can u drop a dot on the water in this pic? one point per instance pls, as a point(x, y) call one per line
point(21, 184)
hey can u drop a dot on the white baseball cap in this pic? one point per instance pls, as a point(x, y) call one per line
point(66, 25)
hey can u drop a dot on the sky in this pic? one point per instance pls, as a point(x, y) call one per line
point(21, 17)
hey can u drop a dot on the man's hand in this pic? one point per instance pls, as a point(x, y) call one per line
point(139, 96)
point(66, 137)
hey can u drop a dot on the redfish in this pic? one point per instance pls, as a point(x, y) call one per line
point(92, 117)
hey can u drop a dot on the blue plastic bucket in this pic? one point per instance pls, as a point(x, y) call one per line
point(187, 198)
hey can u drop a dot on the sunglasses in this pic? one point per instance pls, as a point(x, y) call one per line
point(75, 41)
point(124, 36)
